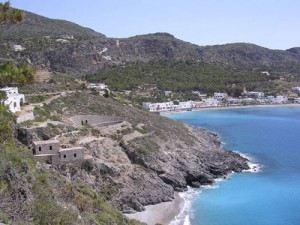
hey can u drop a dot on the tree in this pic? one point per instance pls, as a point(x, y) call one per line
point(8, 15)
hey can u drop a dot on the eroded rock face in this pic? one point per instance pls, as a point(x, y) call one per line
point(142, 178)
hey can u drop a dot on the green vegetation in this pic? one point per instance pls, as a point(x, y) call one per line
point(10, 73)
point(181, 76)
point(87, 165)
point(6, 120)
point(10, 16)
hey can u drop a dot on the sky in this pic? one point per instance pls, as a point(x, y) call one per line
point(273, 24)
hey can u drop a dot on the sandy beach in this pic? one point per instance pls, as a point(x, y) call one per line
point(162, 213)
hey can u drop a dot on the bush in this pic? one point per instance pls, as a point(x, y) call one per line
point(3, 217)
point(87, 165)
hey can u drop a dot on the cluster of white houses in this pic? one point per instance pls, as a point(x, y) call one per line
point(220, 99)
point(13, 100)
point(168, 106)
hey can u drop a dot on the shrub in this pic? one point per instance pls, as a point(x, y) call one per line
point(87, 165)
point(3, 217)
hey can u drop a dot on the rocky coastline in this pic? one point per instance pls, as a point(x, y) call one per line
point(154, 178)
point(132, 171)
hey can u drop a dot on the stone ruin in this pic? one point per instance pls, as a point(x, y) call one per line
point(95, 121)
point(51, 153)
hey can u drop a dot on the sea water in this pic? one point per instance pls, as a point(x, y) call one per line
point(271, 137)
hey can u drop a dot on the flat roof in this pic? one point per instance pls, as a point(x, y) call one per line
point(40, 155)
point(46, 142)
point(70, 149)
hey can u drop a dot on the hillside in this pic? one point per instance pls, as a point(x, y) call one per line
point(128, 165)
point(88, 51)
point(35, 26)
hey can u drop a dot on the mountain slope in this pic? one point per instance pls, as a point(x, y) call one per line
point(35, 26)
point(90, 51)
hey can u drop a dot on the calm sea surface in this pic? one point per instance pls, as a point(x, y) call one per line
point(271, 136)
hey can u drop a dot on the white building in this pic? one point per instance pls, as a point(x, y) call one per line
point(18, 48)
point(248, 100)
point(14, 99)
point(211, 102)
point(203, 96)
point(168, 93)
point(187, 105)
point(220, 96)
point(297, 100)
point(149, 106)
point(296, 89)
point(256, 94)
point(280, 99)
point(234, 101)
point(263, 101)
point(97, 86)
point(167, 106)
point(162, 106)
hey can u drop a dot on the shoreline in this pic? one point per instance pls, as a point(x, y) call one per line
point(163, 113)
point(162, 213)
point(177, 211)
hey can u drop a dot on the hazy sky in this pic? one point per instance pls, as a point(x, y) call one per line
point(270, 23)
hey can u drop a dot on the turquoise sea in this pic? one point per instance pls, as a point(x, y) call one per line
point(271, 137)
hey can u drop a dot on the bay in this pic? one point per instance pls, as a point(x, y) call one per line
point(271, 137)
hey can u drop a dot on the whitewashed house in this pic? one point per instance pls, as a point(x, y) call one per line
point(18, 48)
point(297, 100)
point(100, 87)
point(234, 101)
point(149, 106)
point(162, 106)
point(168, 93)
point(97, 86)
point(248, 100)
point(211, 102)
point(220, 96)
point(296, 89)
point(280, 99)
point(263, 101)
point(187, 105)
point(14, 99)
point(256, 94)
point(203, 96)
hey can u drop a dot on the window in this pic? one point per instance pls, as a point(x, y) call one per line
point(86, 121)
point(40, 149)
point(15, 105)
point(65, 156)
point(75, 155)
point(50, 147)
point(81, 122)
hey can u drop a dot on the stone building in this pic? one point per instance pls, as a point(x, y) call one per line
point(51, 153)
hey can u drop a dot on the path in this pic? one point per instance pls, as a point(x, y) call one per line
point(27, 110)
